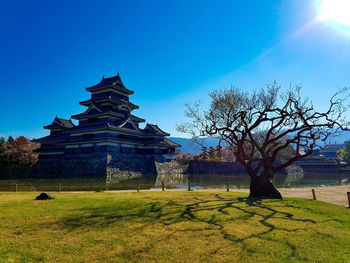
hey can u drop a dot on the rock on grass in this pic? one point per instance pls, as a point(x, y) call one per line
point(44, 196)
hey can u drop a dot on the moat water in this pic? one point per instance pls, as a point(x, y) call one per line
point(176, 181)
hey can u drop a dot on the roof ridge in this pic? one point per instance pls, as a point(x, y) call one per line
point(114, 81)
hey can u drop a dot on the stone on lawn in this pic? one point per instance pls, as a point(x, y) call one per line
point(44, 196)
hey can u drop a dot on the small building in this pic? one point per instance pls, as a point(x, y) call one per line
point(330, 150)
point(108, 137)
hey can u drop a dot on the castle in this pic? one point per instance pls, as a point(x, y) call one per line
point(107, 140)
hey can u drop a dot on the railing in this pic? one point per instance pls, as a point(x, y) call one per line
point(101, 187)
point(105, 187)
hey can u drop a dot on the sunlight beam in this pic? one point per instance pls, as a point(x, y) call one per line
point(336, 11)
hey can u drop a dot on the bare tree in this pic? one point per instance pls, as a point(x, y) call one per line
point(262, 125)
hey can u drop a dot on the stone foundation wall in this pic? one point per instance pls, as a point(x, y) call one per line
point(214, 168)
point(129, 166)
point(168, 168)
point(114, 167)
point(171, 173)
point(85, 167)
point(217, 168)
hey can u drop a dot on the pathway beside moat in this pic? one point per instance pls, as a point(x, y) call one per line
point(330, 194)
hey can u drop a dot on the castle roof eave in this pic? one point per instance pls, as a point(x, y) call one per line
point(107, 128)
point(128, 92)
point(100, 114)
point(59, 123)
point(156, 130)
point(136, 119)
point(119, 101)
point(112, 82)
point(171, 143)
point(121, 142)
point(50, 139)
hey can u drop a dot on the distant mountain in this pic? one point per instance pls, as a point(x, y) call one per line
point(344, 136)
point(188, 146)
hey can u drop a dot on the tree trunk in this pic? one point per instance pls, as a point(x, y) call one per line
point(262, 187)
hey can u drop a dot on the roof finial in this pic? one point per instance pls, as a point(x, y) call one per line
point(118, 75)
point(103, 77)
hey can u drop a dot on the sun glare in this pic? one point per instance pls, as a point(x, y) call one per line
point(336, 10)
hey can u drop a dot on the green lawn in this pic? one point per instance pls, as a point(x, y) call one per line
point(170, 227)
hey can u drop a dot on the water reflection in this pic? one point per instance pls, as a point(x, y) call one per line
point(172, 181)
point(281, 180)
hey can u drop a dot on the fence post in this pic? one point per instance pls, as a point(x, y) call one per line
point(227, 187)
point(162, 185)
point(16, 188)
point(138, 187)
point(348, 198)
point(189, 186)
point(313, 194)
point(59, 187)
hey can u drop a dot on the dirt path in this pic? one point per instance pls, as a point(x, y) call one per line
point(330, 194)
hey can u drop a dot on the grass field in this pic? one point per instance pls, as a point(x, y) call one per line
point(171, 227)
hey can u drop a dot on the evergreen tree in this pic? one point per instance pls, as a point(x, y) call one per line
point(10, 140)
point(211, 153)
point(218, 152)
point(2, 145)
point(2, 151)
point(204, 155)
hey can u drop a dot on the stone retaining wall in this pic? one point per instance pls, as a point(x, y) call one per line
point(61, 168)
point(171, 173)
point(127, 166)
point(113, 167)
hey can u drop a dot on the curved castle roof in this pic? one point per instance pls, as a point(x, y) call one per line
point(112, 82)
point(59, 123)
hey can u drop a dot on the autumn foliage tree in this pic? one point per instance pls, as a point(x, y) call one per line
point(262, 126)
point(19, 152)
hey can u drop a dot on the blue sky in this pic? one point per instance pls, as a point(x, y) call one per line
point(168, 52)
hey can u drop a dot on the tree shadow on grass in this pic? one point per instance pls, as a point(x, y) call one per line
point(210, 216)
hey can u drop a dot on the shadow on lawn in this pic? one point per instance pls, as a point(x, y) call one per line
point(213, 214)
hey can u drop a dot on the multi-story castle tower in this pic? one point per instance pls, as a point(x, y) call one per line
point(107, 136)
